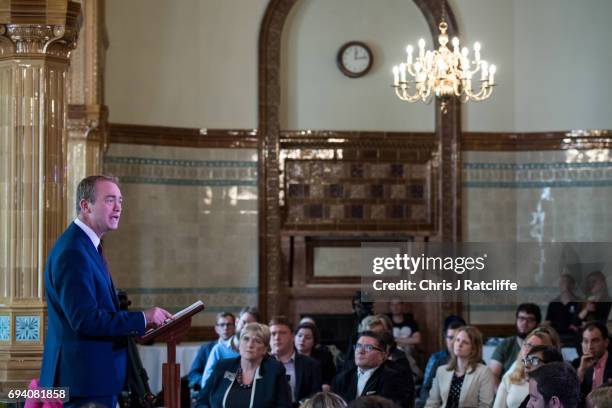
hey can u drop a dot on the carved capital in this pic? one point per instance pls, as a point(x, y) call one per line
point(39, 30)
point(28, 39)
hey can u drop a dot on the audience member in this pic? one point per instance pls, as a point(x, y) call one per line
point(307, 343)
point(554, 385)
point(324, 399)
point(562, 311)
point(360, 311)
point(248, 314)
point(595, 368)
point(253, 376)
point(372, 402)
point(396, 359)
point(528, 317)
point(371, 374)
point(600, 398)
point(536, 358)
point(405, 328)
point(303, 372)
point(514, 386)
point(597, 305)
point(225, 327)
point(464, 381)
point(439, 358)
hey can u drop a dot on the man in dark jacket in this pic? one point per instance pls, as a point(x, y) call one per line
point(371, 374)
point(303, 372)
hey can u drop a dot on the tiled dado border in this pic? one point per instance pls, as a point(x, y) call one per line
point(537, 175)
point(177, 172)
point(247, 138)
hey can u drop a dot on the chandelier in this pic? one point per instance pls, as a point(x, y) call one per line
point(443, 73)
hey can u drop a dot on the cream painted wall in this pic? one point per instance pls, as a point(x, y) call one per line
point(563, 60)
point(490, 23)
point(189, 63)
point(193, 63)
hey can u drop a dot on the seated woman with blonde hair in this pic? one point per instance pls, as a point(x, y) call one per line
point(324, 399)
point(254, 379)
point(514, 386)
point(464, 381)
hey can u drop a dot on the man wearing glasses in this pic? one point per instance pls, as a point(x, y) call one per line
point(528, 317)
point(371, 375)
point(225, 329)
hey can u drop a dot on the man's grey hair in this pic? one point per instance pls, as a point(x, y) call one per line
point(87, 189)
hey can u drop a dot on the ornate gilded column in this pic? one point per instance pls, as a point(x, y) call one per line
point(36, 38)
point(87, 115)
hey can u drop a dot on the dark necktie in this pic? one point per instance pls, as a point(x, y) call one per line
point(101, 252)
point(112, 286)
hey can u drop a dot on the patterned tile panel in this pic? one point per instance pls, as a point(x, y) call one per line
point(347, 193)
point(27, 328)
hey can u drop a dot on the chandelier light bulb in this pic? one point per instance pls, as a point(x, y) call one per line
point(492, 70)
point(455, 44)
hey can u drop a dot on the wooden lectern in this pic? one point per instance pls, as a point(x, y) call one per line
point(171, 333)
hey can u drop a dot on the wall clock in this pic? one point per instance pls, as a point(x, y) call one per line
point(354, 59)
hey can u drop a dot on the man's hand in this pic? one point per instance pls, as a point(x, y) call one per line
point(586, 361)
point(156, 316)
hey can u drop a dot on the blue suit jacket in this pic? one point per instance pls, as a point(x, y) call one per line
point(85, 347)
point(199, 363)
point(271, 388)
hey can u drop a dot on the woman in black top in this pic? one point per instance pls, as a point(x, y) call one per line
point(307, 343)
point(253, 380)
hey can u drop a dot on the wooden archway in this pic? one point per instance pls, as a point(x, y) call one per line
point(447, 129)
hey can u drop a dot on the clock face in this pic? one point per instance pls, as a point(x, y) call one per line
point(354, 59)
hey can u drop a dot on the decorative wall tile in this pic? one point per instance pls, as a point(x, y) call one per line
point(336, 211)
point(357, 191)
point(398, 191)
point(317, 191)
point(5, 328)
point(27, 328)
point(377, 212)
point(379, 170)
point(361, 187)
point(377, 191)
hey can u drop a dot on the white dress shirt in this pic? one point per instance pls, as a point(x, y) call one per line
point(362, 379)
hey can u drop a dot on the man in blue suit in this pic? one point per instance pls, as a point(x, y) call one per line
point(85, 345)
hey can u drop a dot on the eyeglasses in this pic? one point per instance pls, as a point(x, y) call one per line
point(532, 361)
point(527, 319)
point(366, 347)
point(225, 324)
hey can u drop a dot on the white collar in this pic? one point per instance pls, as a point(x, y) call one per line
point(291, 359)
point(361, 371)
point(95, 239)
